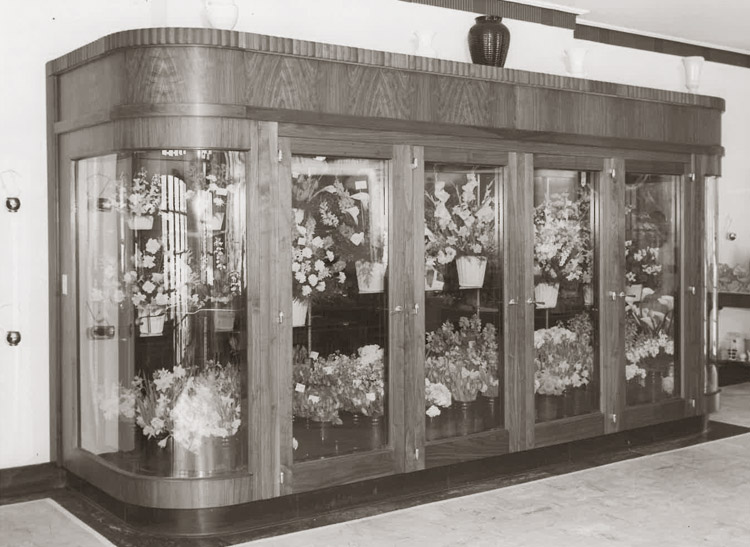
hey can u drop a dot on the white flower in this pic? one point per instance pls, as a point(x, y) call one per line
point(307, 252)
point(295, 444)
point(161, 299)
point(148, 261)
point(371, 396)
point(320, 265)
point(433, 411)
point(342, 277)
point(152, 245)
point(149, 287)
point(129, 277)
point(306, 290)
point(313, 279)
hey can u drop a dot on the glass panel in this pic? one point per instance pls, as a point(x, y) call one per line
point(651, 291)
point(339, 283)
point(566, 337)
point(463, 300)
point(161, 308)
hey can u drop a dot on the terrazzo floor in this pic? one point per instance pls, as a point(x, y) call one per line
point(697, 495)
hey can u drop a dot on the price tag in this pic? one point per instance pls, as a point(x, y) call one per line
point(314, 355)
point(301, 241)
point(360, 185)
point(299, 388)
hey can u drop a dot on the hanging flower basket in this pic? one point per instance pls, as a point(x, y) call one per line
point(546, 295)
point(432, 281)
point(299, 312)
point(370, 277)
point(223, 320)
point(471, 271)
point(215, 222)
point(141, 222)
point(152, 325)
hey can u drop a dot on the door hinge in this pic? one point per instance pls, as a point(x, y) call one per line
point(281, 317)
point(281, 477)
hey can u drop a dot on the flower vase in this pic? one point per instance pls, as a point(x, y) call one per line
point(588, 295)
point(432, 281)
point(324, 438)
point(141, 222)
point(576, 401)
point(548, 407)
point(299, 312)
point(636, 393)
point(489, 412)
point(215, 222)
point(155, 460)
point(151, 325)
point(489, 40)
point(223, 320)
point(471, 271)
point(370, 276)
point(545, 295)
point(212, 456)
point(433, 426)
point(376, 432)
point(465, 417)
point(653, 386)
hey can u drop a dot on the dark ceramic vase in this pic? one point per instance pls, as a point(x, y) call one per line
point(489, 40)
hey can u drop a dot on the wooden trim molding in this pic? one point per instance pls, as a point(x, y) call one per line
point(511, 10)
point(289, 47)
point(659, 45)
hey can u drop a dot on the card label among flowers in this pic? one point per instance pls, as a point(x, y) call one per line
point(360, 185)
point(299, 388)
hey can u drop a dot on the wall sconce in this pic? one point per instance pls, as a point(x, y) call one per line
point(693, 66)
point(12, 190)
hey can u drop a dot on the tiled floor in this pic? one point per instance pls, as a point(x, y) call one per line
point(667, 493)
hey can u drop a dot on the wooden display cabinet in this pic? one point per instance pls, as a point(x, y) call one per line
point(257, 112)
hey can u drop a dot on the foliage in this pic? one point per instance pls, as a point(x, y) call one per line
point(649, 337)
point(436, 396)
point(734, 279)
point(146, 284)
point(141, 196)
point(564, 356)
point(642, 266)
point(314, 265)
point(464, 360)
point(461, 224)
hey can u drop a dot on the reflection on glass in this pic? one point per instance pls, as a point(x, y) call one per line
point(565, 335)
point(463, 284)
point(339, 282)
point(652, 283)
point(161, 284)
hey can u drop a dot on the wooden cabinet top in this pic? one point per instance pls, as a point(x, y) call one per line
point(187, 71)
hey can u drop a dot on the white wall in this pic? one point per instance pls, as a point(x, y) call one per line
point(40, 30)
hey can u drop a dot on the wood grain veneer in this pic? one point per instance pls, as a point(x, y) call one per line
point(342, 470)
point(644, 415)
point(568, 429)
point(471, 447)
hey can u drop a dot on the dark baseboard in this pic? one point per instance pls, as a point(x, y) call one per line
point(17, 482)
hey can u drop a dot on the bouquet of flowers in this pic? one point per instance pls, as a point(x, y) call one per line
point(314, 264)
point(142, 196)
point(648, 335)
point(642, 266)
point(464, 360)
point(146, 285)
point(187, 404)
point(436, 396)
point(363, 382)
point(317, 386)
point(564, 357)
point(462, 223)
point(562, 243)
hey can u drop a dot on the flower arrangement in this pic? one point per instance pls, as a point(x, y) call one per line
point(562, 243)
point(146, 285)
point(464, 360)
point(140, 197)
point(649, 342)
point(642, 265)
point(314, 265)
point(362, 387)
point(735, 279)
point(188, 405)
point(436, 396)
point(564, 356)
point(461, 224)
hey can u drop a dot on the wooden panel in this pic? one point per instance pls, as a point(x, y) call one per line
point(264, 336)
point(275, 81)
point(414, 397)
point(518, 285)
point(692, 282)
point(471, 447)
point(568, 429)
point(574, 163)
point(344, 148)
point(342, 470)
point(187, 132)
point(610, 258)
point(183, 74)
point(655, 167)
point(162, 492)
point(283, 293)
point(210, 110)
point(466, 155)
point(94, 87)
point(401, 268)
point(643, 415)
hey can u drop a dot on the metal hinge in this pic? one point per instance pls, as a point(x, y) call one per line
point(416, 453)
point(281, 477)
point(414, 163)
point(281, 155)
point(281, 317)
point(614, 418)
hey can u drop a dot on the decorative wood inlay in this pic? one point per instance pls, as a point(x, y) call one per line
point(342, 54)
point(511, 10)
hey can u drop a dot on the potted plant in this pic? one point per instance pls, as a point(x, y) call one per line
point(147, 289)
point(437, 398)
point(140, 199)
point(462, 225)
point(315, 268)
point(362, 385)
point(562, 247)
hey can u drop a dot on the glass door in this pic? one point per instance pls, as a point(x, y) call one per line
point(566, 333)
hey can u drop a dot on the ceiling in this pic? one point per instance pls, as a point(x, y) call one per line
point(723, 24)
